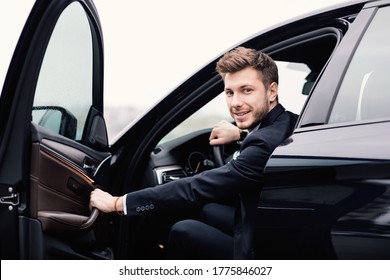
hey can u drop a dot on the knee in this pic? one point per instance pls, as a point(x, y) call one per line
point(182, 229)
point(180, 240)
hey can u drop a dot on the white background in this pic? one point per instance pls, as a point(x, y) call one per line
point(281, 270)
point(151, 46)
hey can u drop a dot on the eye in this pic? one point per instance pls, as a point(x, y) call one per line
point(248, 90)
point(229, 93)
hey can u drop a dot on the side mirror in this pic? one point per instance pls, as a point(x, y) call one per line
point(56, 119)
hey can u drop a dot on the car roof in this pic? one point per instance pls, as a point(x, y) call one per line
point(326, 10)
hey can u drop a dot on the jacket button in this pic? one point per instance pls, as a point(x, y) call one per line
point(151, 206)
point(142, 208)
point(138, 209)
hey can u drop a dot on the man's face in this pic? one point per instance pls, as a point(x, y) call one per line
point(247, 98)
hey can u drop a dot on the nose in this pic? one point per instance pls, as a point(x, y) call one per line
point(236, 100)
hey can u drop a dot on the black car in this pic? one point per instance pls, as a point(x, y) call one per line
point(327, 188)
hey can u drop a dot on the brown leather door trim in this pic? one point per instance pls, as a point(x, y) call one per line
point(68, 163)
point(60, 191)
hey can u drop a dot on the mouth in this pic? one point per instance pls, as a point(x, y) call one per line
point(241, 117)
point(241, 114)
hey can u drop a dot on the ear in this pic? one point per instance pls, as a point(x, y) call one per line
point(272, 92)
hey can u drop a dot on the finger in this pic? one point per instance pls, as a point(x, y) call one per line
point(216, 141)
point(213, 135)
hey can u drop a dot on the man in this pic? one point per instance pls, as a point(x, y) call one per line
point(251, 87)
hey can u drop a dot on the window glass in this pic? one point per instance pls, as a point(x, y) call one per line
point(205, 117)
point(292, 78)
point(295, 81)
point(365, 90)
point(64, 89)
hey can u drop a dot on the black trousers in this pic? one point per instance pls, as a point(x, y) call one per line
point(210, 237)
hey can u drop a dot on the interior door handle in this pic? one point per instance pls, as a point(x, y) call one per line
point(94, 214)
point(92, 218)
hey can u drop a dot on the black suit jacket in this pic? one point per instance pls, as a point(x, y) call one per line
point(242, 177)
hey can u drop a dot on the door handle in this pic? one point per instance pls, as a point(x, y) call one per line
point(92, 218)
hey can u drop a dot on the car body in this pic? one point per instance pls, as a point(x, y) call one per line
point(326, 189)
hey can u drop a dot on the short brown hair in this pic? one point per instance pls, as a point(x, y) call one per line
point(241, 58)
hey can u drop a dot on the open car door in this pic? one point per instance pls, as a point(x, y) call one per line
point(53, 138)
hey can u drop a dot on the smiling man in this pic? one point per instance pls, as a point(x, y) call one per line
point(251, 86)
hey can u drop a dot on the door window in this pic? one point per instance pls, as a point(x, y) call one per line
point(365, 90)
point(64, 89)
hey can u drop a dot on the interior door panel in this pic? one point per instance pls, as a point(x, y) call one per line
point(60, 185)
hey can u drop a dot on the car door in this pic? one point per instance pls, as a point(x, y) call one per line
point(327, 191)
point(53, 139)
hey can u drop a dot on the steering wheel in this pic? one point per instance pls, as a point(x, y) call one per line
point(218, 151)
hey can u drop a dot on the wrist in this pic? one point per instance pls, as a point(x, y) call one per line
point(242, 135)
point(118, 205)
point(238, 135)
